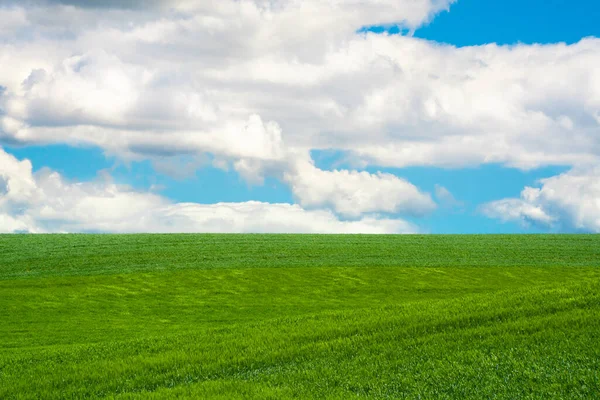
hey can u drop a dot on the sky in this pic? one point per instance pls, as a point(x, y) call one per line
point(289, 116)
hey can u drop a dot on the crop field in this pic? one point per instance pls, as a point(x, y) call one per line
point(299, 316)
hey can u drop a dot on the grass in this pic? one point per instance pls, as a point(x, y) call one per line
point(293, 316)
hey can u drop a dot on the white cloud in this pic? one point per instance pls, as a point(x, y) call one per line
point(353, 193)
point(46, 202)
point(518, 210)
point(567, 201)
point(188, 81)
point(17, 184)
point(255, 83)
point(266, 217)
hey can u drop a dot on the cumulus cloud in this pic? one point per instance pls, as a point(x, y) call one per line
point(254, 83)
point(518, 210)
point(266, 217)
point(46, 202)
point(188, 77)
point(352, 193)
point(570, 201)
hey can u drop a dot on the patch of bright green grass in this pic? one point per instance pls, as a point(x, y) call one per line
point(291, 316)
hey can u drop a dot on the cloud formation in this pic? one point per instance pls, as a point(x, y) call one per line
point(258, 84)
point(188, 77)
point(352, 193)
point(46, 202)
point(570, 201)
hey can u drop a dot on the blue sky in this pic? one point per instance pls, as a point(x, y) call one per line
point(473, 22)
point(507, 166)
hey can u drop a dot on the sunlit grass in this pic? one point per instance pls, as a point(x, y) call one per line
point(260, 316)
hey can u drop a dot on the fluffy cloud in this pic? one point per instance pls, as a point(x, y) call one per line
point(353, 193)
point(184, 78)
point(254, 83)
point(570, 201)
point(46, 202)
point(266, 217)
point(518, 210)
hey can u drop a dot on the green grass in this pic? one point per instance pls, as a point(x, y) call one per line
point(292, 316)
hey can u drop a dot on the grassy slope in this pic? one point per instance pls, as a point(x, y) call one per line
point(299, 316)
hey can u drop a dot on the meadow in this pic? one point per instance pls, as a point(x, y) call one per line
point(299, 316)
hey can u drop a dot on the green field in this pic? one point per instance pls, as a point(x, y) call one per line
point(299, 316)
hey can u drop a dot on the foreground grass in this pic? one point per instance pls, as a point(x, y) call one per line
point(246, 316)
